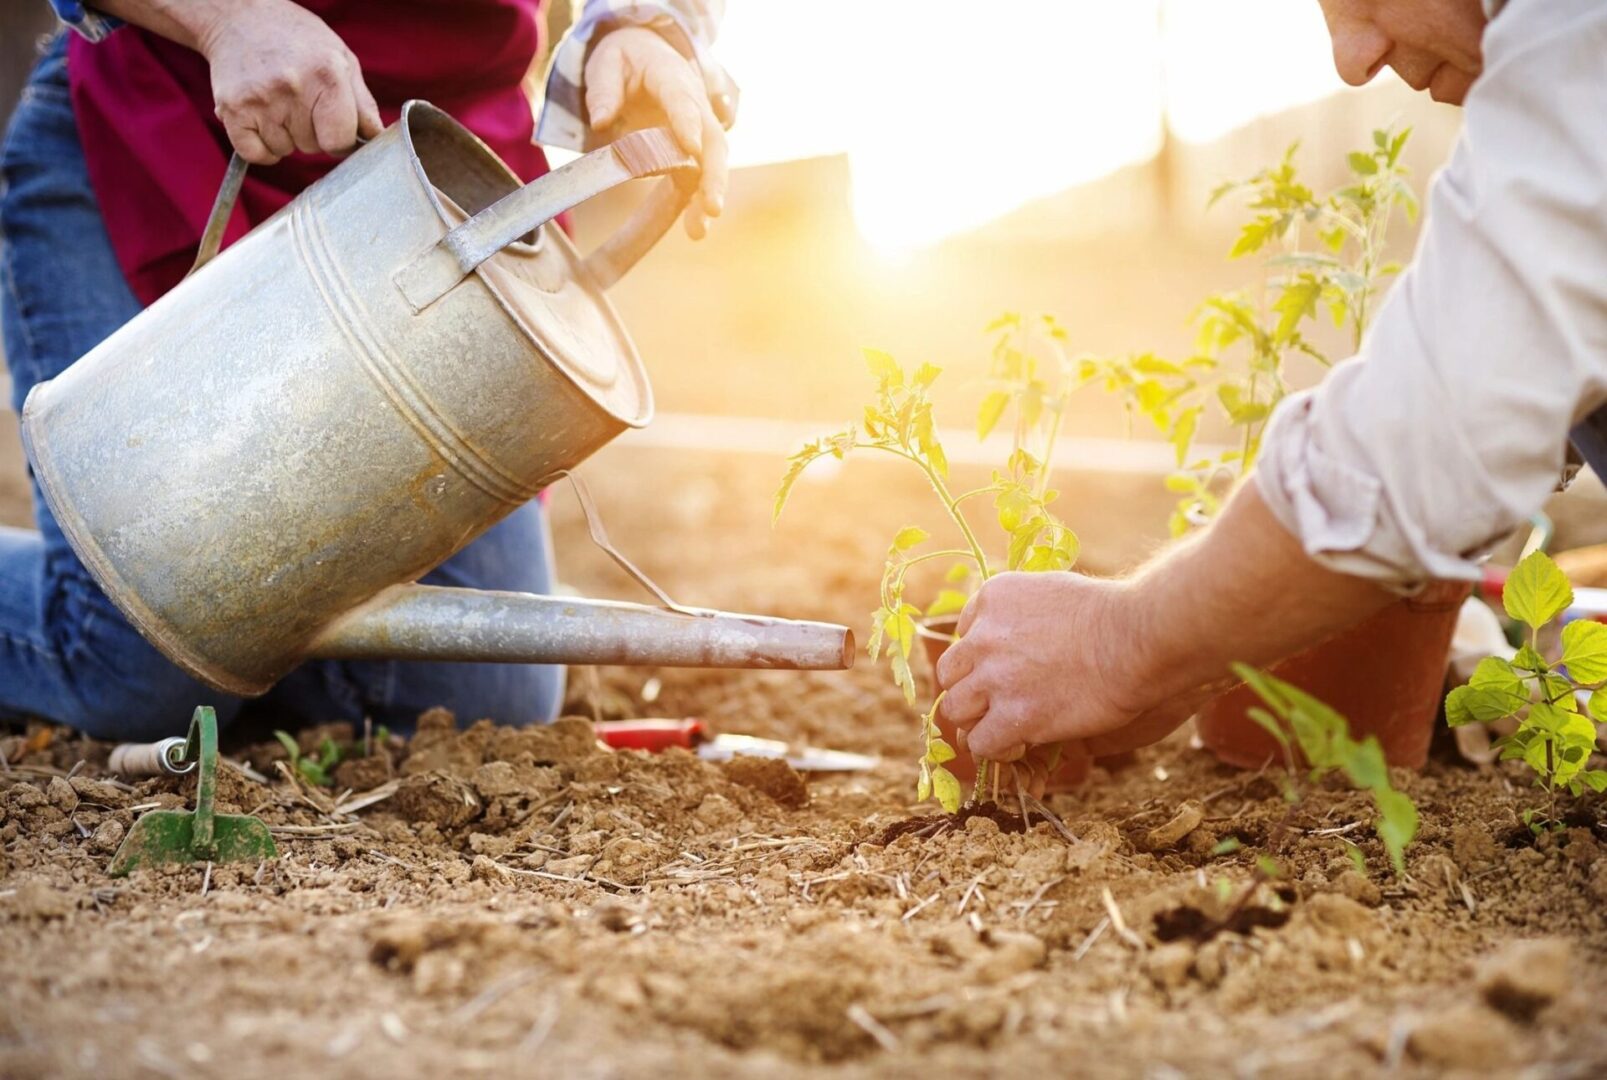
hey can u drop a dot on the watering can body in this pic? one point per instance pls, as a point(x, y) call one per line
point(255, 467)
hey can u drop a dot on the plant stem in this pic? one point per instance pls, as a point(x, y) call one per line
point(950, 503)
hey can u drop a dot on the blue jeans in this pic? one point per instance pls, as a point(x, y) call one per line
point(66, 652)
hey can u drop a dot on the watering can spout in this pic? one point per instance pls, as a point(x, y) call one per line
point(427, 622)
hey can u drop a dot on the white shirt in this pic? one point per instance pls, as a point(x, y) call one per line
point(1449, 428)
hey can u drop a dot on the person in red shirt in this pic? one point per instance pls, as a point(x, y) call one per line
point(110, 167)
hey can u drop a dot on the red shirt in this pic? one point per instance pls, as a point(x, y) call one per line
point(156, 152)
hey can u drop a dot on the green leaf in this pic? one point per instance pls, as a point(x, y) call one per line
point(1498, 690)
point(1183, 432)
point(1270, 725)
point(958, 572)
point(1365, 765)
point(1182, 483)
point(1227, 846)
point(1357, 859)
point(1253, 237)
point(948, 602)
point(899, 661)
point(1594, 779)
point(1046, 557)
point(1014, 503)
point(1362, 163)
point(1598, 706)
point(1584, 650)
point(1536, 591)
point(926, 375)
point(923, 788)
point(908, 537)
point(1296, 302)
point(884, 368)
point(1528, 659)
point(901, 628)
point(993, 407)
point(939, 751)
point(1396, 825)
point(292, 748)
point(946, 788)
point(1022, 539)
point(1457, 712)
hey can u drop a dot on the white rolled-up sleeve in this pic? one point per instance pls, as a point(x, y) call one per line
point(1449, 428)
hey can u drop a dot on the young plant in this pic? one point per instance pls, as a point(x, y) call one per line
point(1300, 723)
point(1556, 733)
point(1030, 380)
point(1319, 252)
point(316, 769)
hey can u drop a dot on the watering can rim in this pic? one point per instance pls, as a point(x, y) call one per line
point(631, 365)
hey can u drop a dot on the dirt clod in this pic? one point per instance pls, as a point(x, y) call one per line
point(438, 799)
point(1188, 818)
point(106, 837)
point(1463, 1036)
point(772, 776)
point(1522, 978)
point(39, 900)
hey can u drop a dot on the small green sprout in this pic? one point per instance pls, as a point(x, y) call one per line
point(1556, 733)
point(1299, 722)
point(318, 769)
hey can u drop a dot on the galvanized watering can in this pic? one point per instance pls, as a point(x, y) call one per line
point(258, 467)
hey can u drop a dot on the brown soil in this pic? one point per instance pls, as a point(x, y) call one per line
point(519, 901)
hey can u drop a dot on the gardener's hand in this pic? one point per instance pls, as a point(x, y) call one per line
point(283, 81)
point(636, 79)
point(1046, 658)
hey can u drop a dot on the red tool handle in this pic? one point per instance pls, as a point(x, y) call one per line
point(653, 735)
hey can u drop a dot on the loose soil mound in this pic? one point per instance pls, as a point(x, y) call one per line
point(494, 901)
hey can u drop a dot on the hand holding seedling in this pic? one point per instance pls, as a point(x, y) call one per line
point(1116, 665)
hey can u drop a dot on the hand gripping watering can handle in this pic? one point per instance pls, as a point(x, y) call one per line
point(651, 152)
point(222, 207)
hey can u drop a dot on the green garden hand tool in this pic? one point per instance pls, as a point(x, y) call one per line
point(183, 836)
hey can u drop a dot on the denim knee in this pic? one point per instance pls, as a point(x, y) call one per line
point(125, 690)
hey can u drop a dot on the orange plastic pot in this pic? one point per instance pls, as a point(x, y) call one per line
point(936, 635)
point(1385, 675)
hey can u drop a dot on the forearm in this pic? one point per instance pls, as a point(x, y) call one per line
point(191, 23)
point(1242, 590)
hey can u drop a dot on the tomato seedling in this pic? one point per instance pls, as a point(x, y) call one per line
point(1247, 340)
point(1030, 380)
point(1557, 702)
point(1300, 722)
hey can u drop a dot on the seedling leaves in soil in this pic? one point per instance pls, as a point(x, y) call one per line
point(1300, 722)
point(1556, 735)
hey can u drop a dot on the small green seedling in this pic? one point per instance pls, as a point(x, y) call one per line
point(317, 769)
point(1300, 723)
point(1031, 380)
point(1248, 340)
point(1556, 732)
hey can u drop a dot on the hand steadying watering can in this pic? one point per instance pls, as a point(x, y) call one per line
point(258, 467)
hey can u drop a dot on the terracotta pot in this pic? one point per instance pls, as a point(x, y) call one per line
point(936, 635)
point(1385, 675)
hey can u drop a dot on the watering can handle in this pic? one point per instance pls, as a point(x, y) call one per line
point(222, 207)
point(651, 152)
